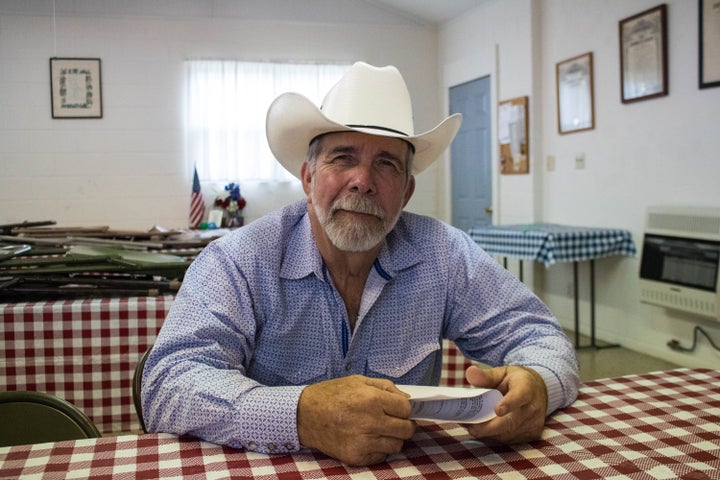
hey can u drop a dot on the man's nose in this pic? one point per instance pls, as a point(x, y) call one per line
point(363, 179)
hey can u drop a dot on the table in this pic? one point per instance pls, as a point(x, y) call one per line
point(549, 243)
point(650, 426)
point(84, 351)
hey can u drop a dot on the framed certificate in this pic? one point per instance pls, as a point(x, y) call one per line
point(643, 55)
point(75, 88)
point(709, 43)
point(575, 102)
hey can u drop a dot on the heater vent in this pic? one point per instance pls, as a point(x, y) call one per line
point(680, 264)
point(685, 221)
point(679, 301)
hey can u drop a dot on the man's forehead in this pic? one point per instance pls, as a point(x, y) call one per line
point(359, 140)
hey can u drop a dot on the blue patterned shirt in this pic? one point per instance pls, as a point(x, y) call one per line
point(258, 318)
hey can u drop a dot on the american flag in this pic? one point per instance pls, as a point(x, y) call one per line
point(197, 204)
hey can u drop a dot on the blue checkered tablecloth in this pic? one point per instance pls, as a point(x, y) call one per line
point(548, 243)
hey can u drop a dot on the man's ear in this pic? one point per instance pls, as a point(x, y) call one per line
point(409, 190)
point(305, 177)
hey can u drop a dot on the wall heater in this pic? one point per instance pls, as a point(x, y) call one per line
point(680, 262)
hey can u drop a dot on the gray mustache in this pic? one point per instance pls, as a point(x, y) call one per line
point(358, 204)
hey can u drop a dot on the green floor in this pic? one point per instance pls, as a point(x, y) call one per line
point(615, 362)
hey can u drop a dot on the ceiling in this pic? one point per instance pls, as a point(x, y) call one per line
point(420, 12)
point(430, 12)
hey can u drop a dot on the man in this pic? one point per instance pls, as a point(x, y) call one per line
point(295, 330)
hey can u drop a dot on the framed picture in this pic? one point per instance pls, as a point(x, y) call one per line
point(709, 43)
point(643, 55)
point(513, 136)
point(75, 88)
point(575, 102)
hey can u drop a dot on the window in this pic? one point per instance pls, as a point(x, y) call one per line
point(226, 106)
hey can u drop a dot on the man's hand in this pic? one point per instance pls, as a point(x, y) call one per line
point(356, 419)
point(521, 412)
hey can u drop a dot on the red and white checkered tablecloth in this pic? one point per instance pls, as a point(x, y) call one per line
point(454, 365)
point(84, 351)
point(662, 425)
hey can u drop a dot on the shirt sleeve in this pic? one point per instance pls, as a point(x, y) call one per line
point(496, 319)
point(556, 394)
point(274, 425)
point(194, 381)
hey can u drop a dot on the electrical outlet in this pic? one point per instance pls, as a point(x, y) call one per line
point(580, 161)
point(550, 163)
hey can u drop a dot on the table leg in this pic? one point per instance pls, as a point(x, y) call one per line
point(577, 309)
point(592, 307)
point(593, 342)
point(592, 302)
point(520, 263)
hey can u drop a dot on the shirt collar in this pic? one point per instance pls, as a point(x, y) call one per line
point(399, 252)
point(301, 256)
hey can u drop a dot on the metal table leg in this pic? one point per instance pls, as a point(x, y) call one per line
point(520, 263)
point(593, 342)
point(576, 305)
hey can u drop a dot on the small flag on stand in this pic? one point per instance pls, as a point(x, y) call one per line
point(197, 204)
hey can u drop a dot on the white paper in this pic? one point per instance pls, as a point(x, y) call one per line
point(449, 404)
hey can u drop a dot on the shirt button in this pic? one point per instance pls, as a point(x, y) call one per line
point(271, 447)
point(347, 367)
point(290, 446)
point(252, 446)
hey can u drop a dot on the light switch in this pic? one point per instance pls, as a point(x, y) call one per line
point(550, 163)
point(580, 161)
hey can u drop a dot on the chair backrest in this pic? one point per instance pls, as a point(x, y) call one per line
point(137, 386)
point(38, 417)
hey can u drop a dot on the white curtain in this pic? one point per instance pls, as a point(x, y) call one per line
point(226, 106)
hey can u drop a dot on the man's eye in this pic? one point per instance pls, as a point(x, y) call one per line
point(390, 164)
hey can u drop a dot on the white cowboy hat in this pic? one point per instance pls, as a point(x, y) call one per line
point(367, 99)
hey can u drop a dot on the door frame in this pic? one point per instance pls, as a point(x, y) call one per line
point(482, 63)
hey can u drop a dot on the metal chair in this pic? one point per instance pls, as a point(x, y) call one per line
point(38, 417)
point(137, 385)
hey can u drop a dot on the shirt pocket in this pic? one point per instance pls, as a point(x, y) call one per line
point(288, 366)
point(417, 365)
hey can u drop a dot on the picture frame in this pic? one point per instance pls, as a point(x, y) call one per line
point(709, 43)
point(575, 94)
point(513, 137)
point(75, 88)
point(643, 55)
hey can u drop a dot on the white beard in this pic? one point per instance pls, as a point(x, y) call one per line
point(349, 234)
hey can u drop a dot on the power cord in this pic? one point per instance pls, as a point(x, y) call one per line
point(675, 345)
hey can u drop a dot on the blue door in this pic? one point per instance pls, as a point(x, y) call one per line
point(471, 155)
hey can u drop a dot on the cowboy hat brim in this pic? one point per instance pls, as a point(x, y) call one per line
point(293, 121)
